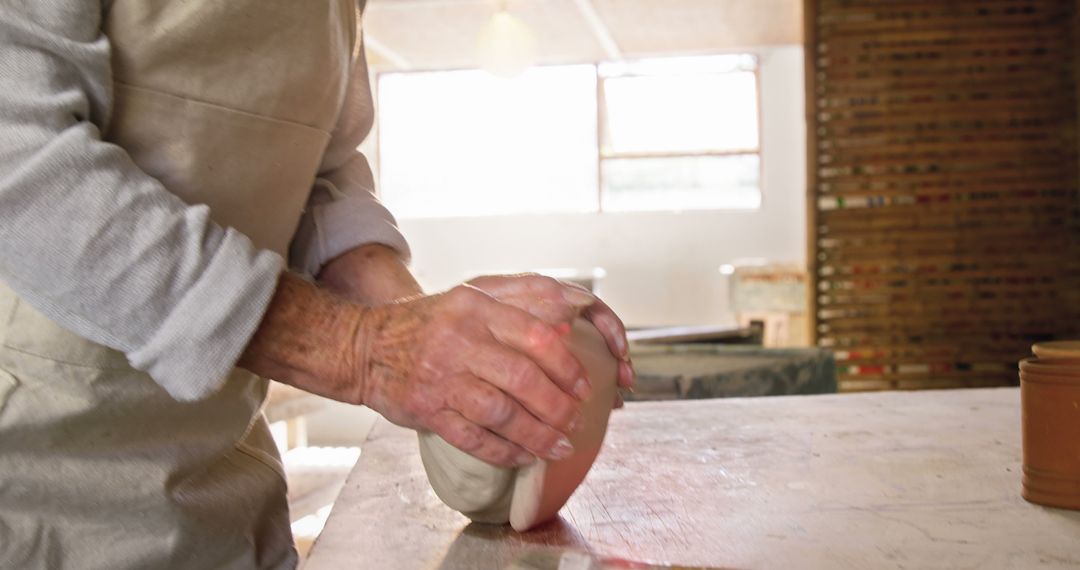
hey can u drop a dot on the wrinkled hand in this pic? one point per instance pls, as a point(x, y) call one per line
point(558, 303)
point(490, 378)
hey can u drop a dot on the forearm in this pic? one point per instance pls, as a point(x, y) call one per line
point(370, 275)
point(308, 339)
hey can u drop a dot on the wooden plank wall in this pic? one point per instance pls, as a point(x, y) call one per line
point(942, 186)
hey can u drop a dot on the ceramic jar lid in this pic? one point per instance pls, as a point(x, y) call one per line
point(1067, 349)
point(1060, 358)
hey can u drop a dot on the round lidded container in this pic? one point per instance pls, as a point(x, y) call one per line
point(1050, 421)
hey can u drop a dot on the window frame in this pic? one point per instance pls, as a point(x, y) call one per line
point(601, 130)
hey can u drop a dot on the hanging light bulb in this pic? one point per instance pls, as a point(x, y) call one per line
point(506, 46)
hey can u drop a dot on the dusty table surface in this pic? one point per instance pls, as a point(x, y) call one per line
point(885, 480)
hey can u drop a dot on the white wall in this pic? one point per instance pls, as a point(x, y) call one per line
point(662, 268)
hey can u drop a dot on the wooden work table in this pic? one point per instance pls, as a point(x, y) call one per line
point(884, 480)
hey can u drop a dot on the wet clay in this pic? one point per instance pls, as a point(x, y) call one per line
point(533, 494)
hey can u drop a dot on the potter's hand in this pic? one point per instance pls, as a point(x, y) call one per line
point(488, 377)
point(558, 303)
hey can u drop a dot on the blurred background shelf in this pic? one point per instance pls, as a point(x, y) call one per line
point(700, 371)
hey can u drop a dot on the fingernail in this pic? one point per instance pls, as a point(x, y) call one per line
point(577, 423)
point(524, 459)
point(581, 389)
point(626, 374)
point(562, 450)
point(624, 350)
point(577, 297)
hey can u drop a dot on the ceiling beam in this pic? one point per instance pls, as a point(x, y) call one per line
point(599, 29)
point(385, 52)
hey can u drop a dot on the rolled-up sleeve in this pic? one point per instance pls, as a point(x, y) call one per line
point(92, 241)
point(343, 212)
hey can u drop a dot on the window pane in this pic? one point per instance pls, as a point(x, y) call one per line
point(466, 143)
point(697, 182)
point(689, 109)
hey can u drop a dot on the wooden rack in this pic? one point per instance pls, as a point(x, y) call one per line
point(943, 232)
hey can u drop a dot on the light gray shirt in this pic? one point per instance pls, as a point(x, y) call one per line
point(107, 251)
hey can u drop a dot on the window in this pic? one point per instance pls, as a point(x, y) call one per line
point(466, 143)
point(680, 134)
point(665, 134)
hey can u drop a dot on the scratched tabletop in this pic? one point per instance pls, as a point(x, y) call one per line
point(883, 480)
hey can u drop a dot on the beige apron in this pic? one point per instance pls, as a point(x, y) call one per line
point(230, 104)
